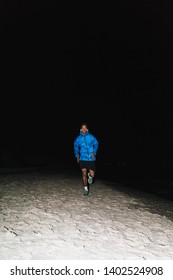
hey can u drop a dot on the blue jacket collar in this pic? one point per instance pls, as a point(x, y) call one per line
point(84, 134)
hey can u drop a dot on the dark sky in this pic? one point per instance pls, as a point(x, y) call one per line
point(107, 63)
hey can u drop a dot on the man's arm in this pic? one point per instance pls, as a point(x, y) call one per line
point(95, 146)
point(76, 149)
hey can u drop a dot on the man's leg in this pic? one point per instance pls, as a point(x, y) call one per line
point(91, 173)
point(84, 177)
point(84, 180)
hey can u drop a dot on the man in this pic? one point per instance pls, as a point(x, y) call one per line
point(85, 150)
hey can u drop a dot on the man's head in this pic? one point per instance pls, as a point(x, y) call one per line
point(84, 128)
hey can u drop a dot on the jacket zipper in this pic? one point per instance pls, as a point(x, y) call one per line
point(86, 146)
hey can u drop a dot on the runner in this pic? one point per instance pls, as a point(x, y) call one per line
point(85, 150)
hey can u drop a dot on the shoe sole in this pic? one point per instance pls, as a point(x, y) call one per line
point(90, 181)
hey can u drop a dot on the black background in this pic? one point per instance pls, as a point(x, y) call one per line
point(108, 63)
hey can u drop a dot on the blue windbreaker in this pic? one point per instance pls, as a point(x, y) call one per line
point(85, 145)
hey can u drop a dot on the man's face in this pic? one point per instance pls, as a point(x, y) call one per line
point(84, 129)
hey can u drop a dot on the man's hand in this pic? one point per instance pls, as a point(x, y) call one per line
point(93, 155)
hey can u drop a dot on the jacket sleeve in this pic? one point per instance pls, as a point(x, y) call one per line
point(95, 145)
point(76, 147)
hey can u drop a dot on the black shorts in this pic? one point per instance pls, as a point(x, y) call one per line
point(88, 164)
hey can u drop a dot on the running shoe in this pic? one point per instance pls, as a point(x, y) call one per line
point(90, 179)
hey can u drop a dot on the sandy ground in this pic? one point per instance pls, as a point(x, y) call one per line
point(44, 215)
